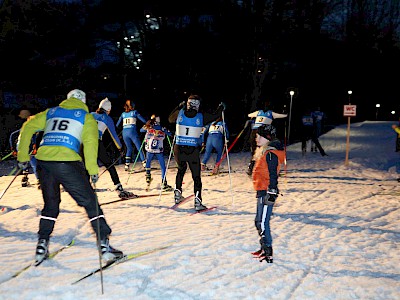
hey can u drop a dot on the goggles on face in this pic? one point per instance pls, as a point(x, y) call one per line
point(193, 103)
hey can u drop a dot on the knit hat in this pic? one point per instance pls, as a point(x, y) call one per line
point(267, 131)
point(78, 94)
point(105, 104)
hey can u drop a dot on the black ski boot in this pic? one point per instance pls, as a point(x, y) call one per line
point(124, 194)
point(109, 253)
point(25, 181)
point(198, 205)
point(178, 196)
point(42, 251)
point(166, 187)
point(148, 178)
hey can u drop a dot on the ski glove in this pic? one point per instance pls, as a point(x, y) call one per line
point(23, 165)
point(271, 196)
point(223, 105)
point(94, 178)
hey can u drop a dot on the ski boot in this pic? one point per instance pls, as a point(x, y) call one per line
point(109, 253)
point(215, 170)
point(178, 196)
point(42, 251)
point(198, 205)
point(127, 195)
point(126, 167)
point(266, 254)
point(148, 181)
point(166, 187)
point(25, 181)
point(148, 178)
point(203, 167)
point(124, 194)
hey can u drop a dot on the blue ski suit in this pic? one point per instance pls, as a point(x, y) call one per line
point(130, 134)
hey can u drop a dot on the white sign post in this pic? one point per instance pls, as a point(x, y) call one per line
point(348, 111)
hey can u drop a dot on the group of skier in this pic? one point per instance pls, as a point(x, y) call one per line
point(72, 134)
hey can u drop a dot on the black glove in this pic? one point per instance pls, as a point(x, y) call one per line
point(182, 104)
point(94, 178)
point(223, 105)
point(23, 165)
point(271, 196)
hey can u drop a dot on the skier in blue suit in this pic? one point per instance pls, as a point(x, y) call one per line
point(215, 140)
point(129, 133)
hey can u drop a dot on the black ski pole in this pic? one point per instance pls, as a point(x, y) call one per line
point(98, 238)
point(115, 161)
point(15, 176)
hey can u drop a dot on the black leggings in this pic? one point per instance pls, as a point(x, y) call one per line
point(73, 177)
point(106, 161)
point(184, 156)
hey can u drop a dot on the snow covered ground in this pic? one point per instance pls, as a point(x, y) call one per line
point(336, 232)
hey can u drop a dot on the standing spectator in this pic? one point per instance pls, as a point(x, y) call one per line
point(189, 124)
point(397, 129)
point(67, 128)
point(309, 132)
point(104, 122)
point(319, 119)
point(154, 143)
point(129, 133)
point(268, 157)
point(215, 140)
point(262, 117)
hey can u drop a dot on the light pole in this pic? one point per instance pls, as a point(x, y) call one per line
point(377, 110)
point(291, 93)
point(346, 162)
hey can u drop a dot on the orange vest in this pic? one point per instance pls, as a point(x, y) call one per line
point(260, 171)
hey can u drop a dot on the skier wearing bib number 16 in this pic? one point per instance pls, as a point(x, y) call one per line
point(67, 128)
point(189, 125)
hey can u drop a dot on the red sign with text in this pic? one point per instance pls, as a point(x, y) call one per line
point(349, 110)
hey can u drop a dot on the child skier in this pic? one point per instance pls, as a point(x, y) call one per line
point(268, 158)
point(154, 145)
